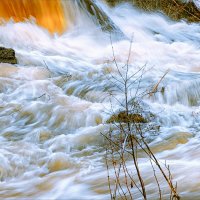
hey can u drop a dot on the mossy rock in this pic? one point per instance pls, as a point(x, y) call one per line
point(7, 56)
point(122, 117)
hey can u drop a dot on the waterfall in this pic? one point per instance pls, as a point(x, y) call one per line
point(58, 14)
point(48, 14)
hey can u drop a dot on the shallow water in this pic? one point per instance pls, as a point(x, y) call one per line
point(52, 117)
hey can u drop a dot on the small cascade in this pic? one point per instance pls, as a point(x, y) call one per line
point(187, 94)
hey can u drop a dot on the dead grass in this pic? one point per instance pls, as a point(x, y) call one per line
point(175, 9)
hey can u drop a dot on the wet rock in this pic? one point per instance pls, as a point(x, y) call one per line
point(96, 13)
point(124, 118)
point(7, 56)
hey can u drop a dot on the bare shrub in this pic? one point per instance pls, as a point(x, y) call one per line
point(127, 142)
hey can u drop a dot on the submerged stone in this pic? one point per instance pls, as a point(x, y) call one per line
point(124, 118)
point(7, 56)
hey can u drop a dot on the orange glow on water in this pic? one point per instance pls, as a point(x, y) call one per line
point(48, 13)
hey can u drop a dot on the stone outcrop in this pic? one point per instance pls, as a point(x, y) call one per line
point(7, 56)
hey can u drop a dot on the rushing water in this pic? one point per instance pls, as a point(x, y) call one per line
point(50, 141)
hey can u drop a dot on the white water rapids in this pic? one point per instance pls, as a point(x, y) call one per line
point(50, 124)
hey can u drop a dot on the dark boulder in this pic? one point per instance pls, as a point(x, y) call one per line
point(7, 56)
